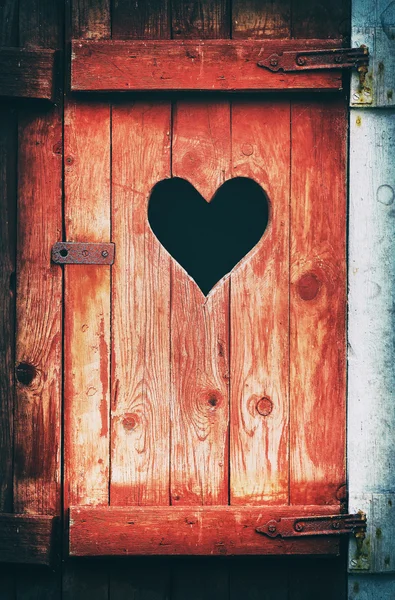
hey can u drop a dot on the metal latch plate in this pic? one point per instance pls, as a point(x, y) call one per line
point(287, 527)
point(83, 253)
point(333, 58)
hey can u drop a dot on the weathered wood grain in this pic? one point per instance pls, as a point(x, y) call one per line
point(8, 200)
point(87, 305)
point(371, 376)
point(140, 20)
point(259, 313)
point(37, 415)
point(27, 73)
point(26, 539)
point(90, 19)
point(199, 325)
point(261, 19)
point(317, 301)
point(318, 18)
point(202, 19)
point(216, 530)
point(215, 65)
point(140, 427)
point(38, 314)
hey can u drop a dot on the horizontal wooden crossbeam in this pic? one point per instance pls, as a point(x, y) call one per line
point(26, 539)
point(210, 65)
point(27, 73)
point(208, 530)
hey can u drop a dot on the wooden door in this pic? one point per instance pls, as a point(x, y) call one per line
point(193, 418)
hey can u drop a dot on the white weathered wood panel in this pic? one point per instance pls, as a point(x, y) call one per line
point(371, 587)
point(373, 24)
point(371, 383)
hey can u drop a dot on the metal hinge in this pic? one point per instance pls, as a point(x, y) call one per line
point(334, 58)
point(83, 253)
point(287, 527)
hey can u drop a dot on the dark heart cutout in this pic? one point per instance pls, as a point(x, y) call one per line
point(208, 238)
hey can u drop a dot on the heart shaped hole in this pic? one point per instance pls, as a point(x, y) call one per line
point(208, 239)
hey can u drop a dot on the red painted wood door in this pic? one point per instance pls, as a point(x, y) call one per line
point(191, 419)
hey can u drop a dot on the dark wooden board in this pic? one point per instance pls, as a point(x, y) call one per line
point(26, 539)
point(190, 530)
point(26, 73)
point(213, 65)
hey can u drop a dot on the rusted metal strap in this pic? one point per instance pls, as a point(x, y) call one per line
point(287, 527)
point(310, 60)
point(83, 253)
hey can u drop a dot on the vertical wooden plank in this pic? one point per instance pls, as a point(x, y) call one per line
point(8, 178)
point(39, 291)
point(318, 302)
point(37, 415)
point(140, 429)
point(259, 313)
point(261, 19)
point(201, 19)
point(140, 418)
point(91, 19)
point(199, 325)
point(371, 354)
point(87, 305)
point(320, 19)
point(140, 20)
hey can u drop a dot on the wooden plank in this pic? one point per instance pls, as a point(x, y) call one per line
point(37, 415)
point(26, 539)
point(27, 73)
point(8, 161)
point(317, 302)
point(87, 305)
point(208, 530)
point(259, 313)
point(318, 18)
point(140, 20)
point(371, 587)
point(215, 65)
point(199, 325)
point(261, 19)
point(140, 426)
point(90, 19)
point(8, 200)
point(39, 292)
point(204, 19)
point(371, 335)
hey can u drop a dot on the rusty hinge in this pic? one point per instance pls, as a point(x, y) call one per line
point(83, 253)
point(287, 527)
point(333, 58)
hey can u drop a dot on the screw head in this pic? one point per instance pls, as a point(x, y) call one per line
point(272, 529)
point(299, 526)
point(335, 525)
point(273, 62)
point(301, 60)
point(85, 253)
point(104, 254)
